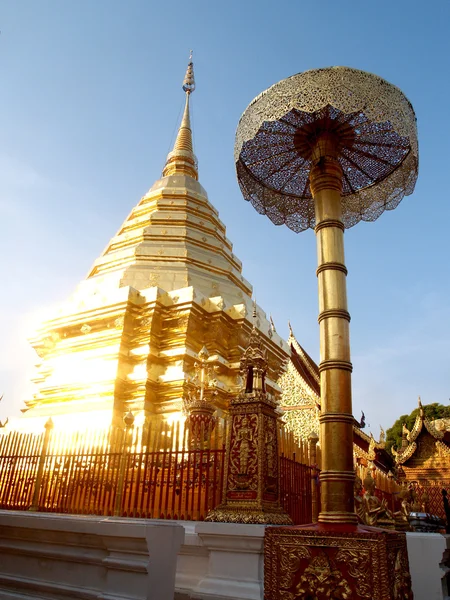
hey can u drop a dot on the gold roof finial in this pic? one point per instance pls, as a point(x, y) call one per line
point(182, 159)
point(272, 324)
point(189, 79)
point(291, 331)
point(254, 318)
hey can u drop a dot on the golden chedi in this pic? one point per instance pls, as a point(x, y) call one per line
point(167, 284)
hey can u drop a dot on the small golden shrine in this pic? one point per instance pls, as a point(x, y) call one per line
point(424, 457)
point(252, 478)
point(167, 285)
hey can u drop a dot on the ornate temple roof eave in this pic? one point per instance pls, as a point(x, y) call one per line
point(404, 454)
point(308, 362)
point(438, 435)
point(298, 363)
point(367, 438)
point(421, 420)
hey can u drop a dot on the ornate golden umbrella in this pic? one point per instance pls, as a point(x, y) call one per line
point(326, 149)
point(370, 123)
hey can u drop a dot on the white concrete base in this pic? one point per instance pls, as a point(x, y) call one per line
point(56, 557)
point(65, 557)
point(221, 561)
point(426, 553)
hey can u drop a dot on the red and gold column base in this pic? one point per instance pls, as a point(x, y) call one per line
point(343, 562)
point(227, 513)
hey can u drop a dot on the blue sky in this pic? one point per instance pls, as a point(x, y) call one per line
point(90, 99)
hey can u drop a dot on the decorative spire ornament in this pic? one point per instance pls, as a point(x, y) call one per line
point(189, 79)
point(199, 401)
point(272, 324)
point(182, 160)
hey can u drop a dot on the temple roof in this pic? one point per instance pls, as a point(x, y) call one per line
point(308, 371)
point(422, 424)
point(304, 364)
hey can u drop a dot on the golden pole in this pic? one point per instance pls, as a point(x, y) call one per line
point(336, 420)
point(293, 145)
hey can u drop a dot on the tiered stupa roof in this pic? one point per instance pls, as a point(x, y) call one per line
point(174, 238)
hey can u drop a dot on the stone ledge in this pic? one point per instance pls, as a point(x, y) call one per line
point(87, 558)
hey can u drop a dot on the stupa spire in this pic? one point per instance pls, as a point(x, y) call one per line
point(182, 159)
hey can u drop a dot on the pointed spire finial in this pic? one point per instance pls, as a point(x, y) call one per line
point(182, 159)
point(254, 361)
point(272, 324)
point(189, 79)
point(421, 411)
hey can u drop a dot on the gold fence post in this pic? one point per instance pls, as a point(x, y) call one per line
point(129, 423)
point(37, 485)
point(313, 438)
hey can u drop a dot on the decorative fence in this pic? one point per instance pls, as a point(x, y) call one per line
point(298, 481)
point(429, 497)
point(152, 472)
point(19, 459)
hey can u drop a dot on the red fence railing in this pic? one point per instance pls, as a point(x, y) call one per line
point(295, 490)
point(151, 472)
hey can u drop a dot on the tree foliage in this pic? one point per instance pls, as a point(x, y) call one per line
point(394, 433)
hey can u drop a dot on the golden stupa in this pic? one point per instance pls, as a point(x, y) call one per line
point(167, 285)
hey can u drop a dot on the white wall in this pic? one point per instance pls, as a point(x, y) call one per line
point(96, 558)
point(70, 557)
point(425, 554)
point(221, 560)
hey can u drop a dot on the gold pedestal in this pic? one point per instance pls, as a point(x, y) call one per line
point(323, 562)
point(251, 482)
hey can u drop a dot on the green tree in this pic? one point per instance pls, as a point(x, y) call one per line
point(394, 433)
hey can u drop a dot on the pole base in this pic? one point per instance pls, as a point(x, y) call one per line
point(227, 514)
point(345, 562)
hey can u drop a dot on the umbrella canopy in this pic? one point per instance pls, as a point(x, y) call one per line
point(372, 127)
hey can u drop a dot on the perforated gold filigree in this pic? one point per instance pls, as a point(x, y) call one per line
point(375, 128)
